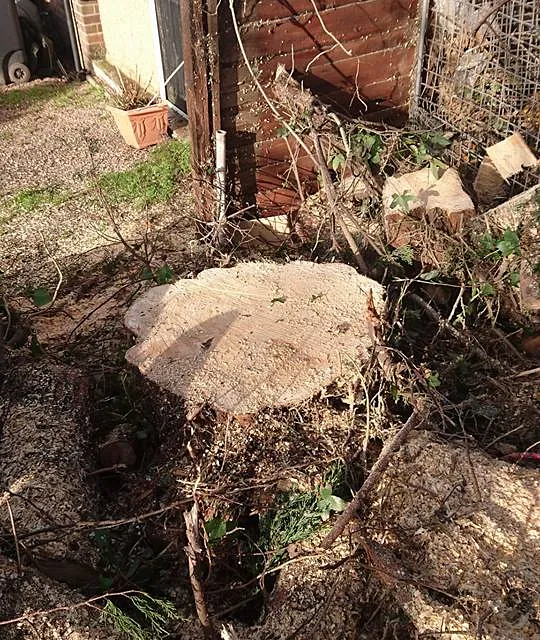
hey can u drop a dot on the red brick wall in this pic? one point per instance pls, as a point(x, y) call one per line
point(90, 32)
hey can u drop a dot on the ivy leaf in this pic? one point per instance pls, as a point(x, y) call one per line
point(433, 380)
point(215, 529)
point(439, 140)
point(509, 243)
point(514, 278)
point(401, 201)
point(164, 274)
point(337, 504)
point(429, 275)
point(41, 297)
point(487, 289)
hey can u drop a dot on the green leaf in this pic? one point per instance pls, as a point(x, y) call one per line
point(337, 504)
point(401, 201)
point(215, 529)
point(325, 493)
point(509, 244)
point(430, 275)
point(41, 297)
point(338, 160)
point(487, 243)
point(433, 381)
point(404, 254)
point(438, 139)
point(487, 289)
point(514, 278)
point(147, 274)
point(164, 274)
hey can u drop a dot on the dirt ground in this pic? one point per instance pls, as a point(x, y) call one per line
point(447, 548)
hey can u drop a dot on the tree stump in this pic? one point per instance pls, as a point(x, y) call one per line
point(254, 336)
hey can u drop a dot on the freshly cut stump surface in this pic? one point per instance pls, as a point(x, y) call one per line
point(254, 336)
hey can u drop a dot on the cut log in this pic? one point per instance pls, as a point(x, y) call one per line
point(448, 523)
point(273, 232)
point(475, 524)
point(503, 160)
point(519, 214)
point(254, 336)
point(430, 204)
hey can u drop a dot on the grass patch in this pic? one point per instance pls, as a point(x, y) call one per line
point(151, 181)
point(61, 94)
point(31, 199)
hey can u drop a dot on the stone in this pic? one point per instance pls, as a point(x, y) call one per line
point(254, 336)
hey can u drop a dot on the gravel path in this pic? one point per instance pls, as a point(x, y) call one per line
point(51, 141)
point(57, 135)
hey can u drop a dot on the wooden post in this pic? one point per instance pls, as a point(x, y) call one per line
point(197, 87)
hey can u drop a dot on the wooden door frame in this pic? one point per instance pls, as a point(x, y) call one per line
point(201, 77)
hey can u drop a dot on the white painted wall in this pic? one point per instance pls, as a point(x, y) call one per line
point(129, 39)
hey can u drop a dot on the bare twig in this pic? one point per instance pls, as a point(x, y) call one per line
point(15, 539)
point(374, 476)
point(294, 166)
point(193, 551)
point(8, 314)
point(529, 372)
point(330, 192)
point(325, 29)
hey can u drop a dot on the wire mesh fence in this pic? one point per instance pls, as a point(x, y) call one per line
point(481, 76)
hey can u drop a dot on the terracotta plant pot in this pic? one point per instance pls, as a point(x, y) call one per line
point(142, 127)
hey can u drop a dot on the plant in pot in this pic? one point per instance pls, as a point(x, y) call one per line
point(141, 121)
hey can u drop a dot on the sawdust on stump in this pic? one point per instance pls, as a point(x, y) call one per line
point(466, 525)
point(256, 335)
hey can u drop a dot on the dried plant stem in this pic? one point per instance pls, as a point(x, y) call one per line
point(193, 551)
point(16, 540)
point(374, 476)
point(330, 192)
point(329, 33)
point(294, 165)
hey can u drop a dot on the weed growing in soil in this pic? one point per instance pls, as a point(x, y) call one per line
point(153, 612)
point(297, 515)
point(153, 180)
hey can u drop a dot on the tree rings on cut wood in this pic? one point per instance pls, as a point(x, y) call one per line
point(254, 336)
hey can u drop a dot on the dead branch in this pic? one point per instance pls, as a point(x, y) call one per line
point(193, 551)
point(374, 476)
point(15, 538)
point(330, 192)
